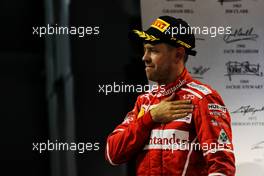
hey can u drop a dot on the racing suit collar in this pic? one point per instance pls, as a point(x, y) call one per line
point(168, 89)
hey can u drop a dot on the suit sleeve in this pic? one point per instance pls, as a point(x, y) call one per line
point(213, 128)
point(130, 136)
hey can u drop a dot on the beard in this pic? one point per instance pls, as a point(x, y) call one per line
point(158, 74)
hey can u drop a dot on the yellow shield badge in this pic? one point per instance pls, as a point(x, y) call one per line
point(141, 112)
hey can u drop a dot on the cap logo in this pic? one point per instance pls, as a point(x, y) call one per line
point(183, 44)
point(160, 25)
point(146, 36)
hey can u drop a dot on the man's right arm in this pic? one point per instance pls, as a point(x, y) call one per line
point(133, 134)
point(130, 136)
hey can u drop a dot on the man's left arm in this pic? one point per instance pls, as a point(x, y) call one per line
point(213, 128)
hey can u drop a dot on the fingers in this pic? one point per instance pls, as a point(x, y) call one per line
point(179, 116)
point(170, 98)
point(180, 111)
point(181, 106)
point(169, 109)
point(181, 102)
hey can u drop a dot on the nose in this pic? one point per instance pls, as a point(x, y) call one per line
point(146, 57)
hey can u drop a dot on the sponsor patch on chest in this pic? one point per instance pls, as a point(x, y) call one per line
point(165, 139)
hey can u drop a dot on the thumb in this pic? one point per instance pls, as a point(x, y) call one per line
point(171, 97)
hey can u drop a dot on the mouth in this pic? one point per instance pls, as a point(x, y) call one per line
point(149, 68)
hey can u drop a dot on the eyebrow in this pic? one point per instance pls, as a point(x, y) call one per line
point(148, 47)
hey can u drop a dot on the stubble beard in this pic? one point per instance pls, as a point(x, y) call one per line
point(158, 76)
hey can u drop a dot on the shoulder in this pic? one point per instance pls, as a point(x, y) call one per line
point(204, 96)
point(200, 90)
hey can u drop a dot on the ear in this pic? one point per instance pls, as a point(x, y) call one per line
point(180, 53)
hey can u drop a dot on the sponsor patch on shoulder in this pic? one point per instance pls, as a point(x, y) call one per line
point(200, 88)
point(216, 107)
point(223, 138)
point(217, 114)
point(214, 122)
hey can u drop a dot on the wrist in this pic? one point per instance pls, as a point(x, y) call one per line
point(147, 121)
point(152, 113)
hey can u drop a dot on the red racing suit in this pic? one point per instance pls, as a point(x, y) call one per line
point(199, 144)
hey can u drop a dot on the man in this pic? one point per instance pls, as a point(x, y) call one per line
point(167, 135)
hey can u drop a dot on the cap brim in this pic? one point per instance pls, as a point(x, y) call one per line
point(146, 37)
point(143, 35)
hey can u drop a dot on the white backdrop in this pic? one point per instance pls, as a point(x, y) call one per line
point(232, 64)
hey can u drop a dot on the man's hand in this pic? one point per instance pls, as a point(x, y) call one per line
point(168, 109)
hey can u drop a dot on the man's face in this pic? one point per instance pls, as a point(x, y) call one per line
point(158, 61)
